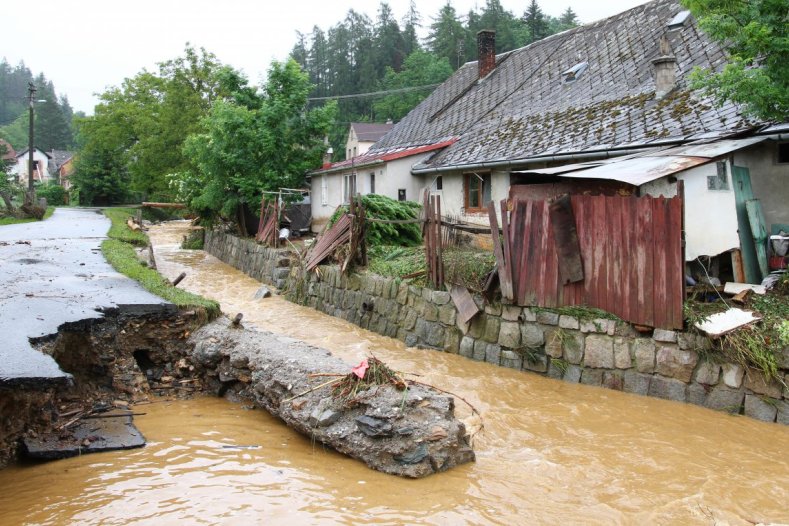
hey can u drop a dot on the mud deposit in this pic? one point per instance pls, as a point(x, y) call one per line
point(551, 452)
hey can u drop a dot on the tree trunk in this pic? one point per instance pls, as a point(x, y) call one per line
point(7, 200)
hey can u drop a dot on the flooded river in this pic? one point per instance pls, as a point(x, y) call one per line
point(551, 452)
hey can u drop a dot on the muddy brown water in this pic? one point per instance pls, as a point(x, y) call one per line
point(551, 452)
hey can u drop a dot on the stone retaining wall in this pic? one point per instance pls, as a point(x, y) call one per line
point(269, 265)
point(665, 364)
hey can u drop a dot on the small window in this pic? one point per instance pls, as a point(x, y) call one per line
point(401, 194)
point(439, 183)
point(718, 181)
point(324, 190)
point(349, 187)
point(572, 74)
point(476, 191)
point(372, 182)
point(783, 153)
point(679, 21)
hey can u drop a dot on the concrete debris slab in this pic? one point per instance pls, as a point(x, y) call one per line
point(732, 287)
point(113, 431)
point(724, 322)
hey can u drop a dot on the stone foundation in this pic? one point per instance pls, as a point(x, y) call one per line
point(672, 365)
point(269, 265)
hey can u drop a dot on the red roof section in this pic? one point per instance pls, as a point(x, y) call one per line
point(384, 156)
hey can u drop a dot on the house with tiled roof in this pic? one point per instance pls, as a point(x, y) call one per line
point(19, 168)
point(362, 135)
point(604, 107)
point(62, 166)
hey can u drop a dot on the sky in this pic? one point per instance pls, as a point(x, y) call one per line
point(86, 46)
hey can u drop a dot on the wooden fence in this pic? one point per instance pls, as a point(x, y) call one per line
point(625, 256)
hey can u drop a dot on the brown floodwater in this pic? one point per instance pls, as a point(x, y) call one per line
point(550, 452)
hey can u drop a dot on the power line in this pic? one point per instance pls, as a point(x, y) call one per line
point(375, 93)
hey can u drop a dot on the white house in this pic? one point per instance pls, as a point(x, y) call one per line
point(384, 173)
point(362, 135)
point(41, 160)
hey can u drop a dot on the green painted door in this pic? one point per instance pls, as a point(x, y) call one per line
point(759, 233)
point(741, 179)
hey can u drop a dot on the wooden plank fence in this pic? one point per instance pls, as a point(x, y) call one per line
point(431, 233)
point(630, 248)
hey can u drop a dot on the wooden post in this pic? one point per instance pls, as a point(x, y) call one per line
point(738, 266)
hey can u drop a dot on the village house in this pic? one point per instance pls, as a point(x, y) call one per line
point(62, 166)
point(602, 108)
point(362, 135)
point(41, 161)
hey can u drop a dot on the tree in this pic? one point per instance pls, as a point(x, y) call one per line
point(536, 23)
point(143, 123)
point(447, 36)
point(240, 151)
point(52, 125)
point(755, 35)
point(411, 23)
point(100, 175)
point(420, 69)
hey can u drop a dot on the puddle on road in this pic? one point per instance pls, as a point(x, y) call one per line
point(551, 452)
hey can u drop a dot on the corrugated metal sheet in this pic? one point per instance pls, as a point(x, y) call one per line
point(642, 168)
point(631, 249)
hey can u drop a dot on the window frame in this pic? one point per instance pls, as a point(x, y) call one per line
point(484, 178)
point(348, 187)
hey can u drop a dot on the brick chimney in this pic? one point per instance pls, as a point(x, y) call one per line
point(486, 50)
point(665, 69)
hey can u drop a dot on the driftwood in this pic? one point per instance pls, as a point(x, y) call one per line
point(163, 205)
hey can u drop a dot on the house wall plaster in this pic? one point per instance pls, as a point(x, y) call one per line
point(710, 215)
point(769, 180)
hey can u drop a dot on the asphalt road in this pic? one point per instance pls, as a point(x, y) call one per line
point(52, 273)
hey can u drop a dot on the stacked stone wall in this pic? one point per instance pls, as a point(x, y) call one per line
point(269, 265)
point(673, 365)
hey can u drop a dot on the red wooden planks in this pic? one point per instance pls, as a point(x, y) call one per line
point(630, 250)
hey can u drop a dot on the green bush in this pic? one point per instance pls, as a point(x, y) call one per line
point(386, 208)
point(53, 193)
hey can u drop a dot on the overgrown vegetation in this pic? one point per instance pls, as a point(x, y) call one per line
point(467, 266)
point(194, 241)
point(758, 345)
point(385, 208)
point(120, 231)
point(120, 252)
point(582, 312)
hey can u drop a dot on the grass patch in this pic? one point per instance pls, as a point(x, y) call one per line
point(123, 258)
point(119, 251)
point(16, 220)
point(582, 312)
point(120, 230)
point(465, 266)
point(195, 240)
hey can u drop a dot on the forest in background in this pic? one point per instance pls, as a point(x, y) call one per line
point(53, 123)
point(390, 69)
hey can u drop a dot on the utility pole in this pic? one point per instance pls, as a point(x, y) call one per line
point(30, 196)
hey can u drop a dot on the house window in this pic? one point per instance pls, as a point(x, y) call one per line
point(476, 191)
point(439, 183)
point(324, 190)
point(718, 181)
point(783, 153)
point(401, 194)
point(349, 187)
point(372, 182)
